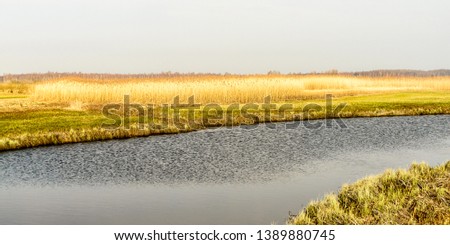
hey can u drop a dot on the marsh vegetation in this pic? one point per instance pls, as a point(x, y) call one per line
point(419, 195)
point(67, 110)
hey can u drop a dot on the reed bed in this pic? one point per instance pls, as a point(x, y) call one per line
point(227, 89)
point(12, 88)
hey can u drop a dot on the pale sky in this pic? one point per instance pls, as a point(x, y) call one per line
point(237, 36)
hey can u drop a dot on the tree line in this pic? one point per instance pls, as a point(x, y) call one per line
point(34, 77)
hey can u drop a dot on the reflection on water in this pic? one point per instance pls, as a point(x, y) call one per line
point(216, 176)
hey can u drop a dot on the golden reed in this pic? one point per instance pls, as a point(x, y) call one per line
point(227, 89)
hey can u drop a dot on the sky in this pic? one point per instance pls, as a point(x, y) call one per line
point(218, 36)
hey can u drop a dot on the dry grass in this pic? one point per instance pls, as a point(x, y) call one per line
point(227, 89)
point(13, 88)
point(420, 195)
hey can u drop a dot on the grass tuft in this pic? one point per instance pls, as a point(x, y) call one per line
point(420, 195)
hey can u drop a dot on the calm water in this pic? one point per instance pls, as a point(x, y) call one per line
point(242, 175)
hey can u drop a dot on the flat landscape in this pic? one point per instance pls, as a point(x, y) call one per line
point(70, 110)
point(75, 109)
point(231, 121)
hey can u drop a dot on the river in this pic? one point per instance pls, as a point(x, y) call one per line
point(241, 175)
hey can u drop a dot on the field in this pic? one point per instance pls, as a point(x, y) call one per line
point(227, 89)
point(69, 109)
point(419, 195)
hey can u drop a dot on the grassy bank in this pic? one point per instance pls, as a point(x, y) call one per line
point(30, 126)
point(420, 195)
point(67, 111)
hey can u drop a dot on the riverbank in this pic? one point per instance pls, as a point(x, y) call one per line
point(420, 195)
point(25, 123)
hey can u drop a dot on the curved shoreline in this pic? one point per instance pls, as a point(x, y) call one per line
point(83, 135)
point(43, 127)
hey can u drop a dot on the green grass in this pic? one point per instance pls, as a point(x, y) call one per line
point(420, 195)
point(43, 126)
point(396, 104)
point(47, 121)
point(52, 127)
point(9, 96)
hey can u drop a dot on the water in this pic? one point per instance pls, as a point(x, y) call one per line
point(243, 175)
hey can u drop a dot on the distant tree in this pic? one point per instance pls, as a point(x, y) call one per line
point(273, 73)
point(332, 71)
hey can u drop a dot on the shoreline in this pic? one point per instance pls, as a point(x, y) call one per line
point(85, 135)
point(42, 124)
point(418, 195)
